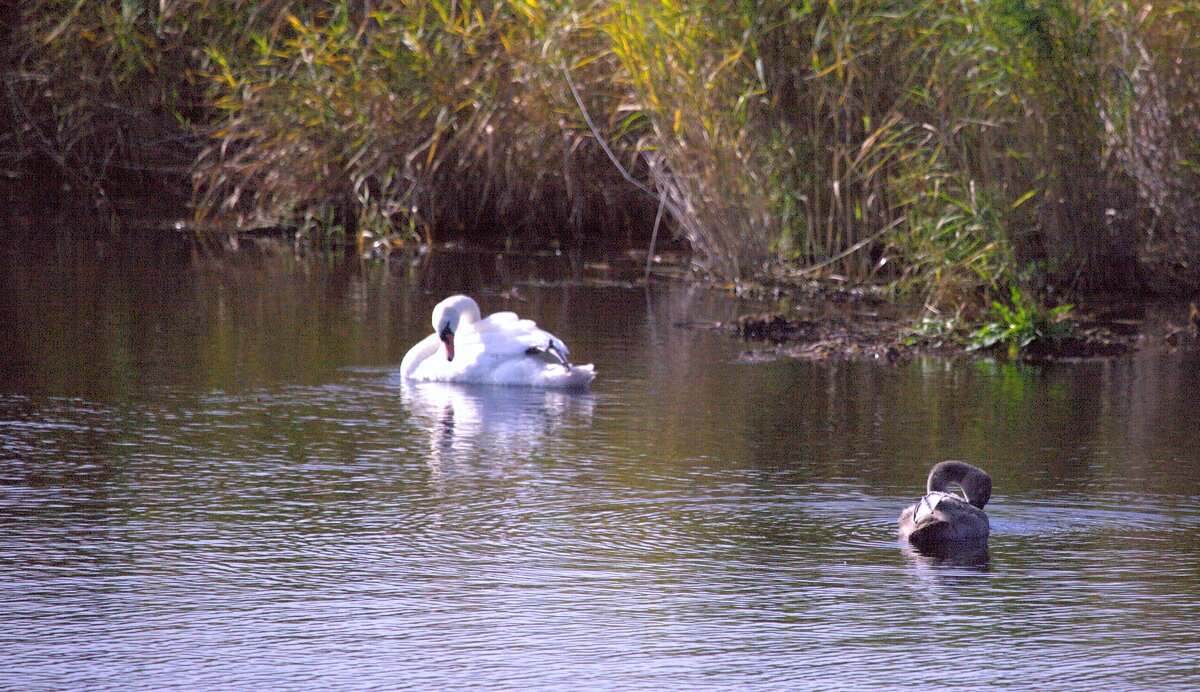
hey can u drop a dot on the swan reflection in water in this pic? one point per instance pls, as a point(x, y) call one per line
point(973, 556)
point(492, 422)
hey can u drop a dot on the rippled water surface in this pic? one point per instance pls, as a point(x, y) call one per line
point(212, 477)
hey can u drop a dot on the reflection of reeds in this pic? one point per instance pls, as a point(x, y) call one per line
point(927, 143)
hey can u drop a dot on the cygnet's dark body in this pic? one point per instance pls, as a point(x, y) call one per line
point(941, 521)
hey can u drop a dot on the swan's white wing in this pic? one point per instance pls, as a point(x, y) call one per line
point(497, 320)
point(505, 333)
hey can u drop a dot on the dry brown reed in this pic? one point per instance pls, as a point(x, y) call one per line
point(951, 149)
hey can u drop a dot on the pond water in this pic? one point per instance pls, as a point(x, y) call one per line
point(212, 477)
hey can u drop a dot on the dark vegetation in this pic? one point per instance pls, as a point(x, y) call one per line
point(955, 152)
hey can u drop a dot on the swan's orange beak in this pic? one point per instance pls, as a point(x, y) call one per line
point(447, 338)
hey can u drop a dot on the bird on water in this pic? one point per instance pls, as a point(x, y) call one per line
point(943, 521)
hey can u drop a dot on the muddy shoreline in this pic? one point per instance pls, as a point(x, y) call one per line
point(820, 322)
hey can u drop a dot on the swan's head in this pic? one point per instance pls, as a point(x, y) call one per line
point(975, 483)
point(449, 316)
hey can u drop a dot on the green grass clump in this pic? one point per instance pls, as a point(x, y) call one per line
point(1021, 323)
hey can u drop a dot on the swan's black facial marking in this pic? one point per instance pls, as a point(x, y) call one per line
point(447, 337)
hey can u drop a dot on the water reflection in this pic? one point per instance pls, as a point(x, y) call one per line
point(966, 554)
point(212, 478)
point(505, 423)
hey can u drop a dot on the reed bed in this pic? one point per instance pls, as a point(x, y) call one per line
point(950, 150)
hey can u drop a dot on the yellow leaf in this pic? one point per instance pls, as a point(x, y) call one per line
point(1024, 198)
point(728, 61)
point(441, 10)
point(432, 149)
point(296, 24)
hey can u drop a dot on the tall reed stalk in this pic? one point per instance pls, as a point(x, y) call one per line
point(687, 64)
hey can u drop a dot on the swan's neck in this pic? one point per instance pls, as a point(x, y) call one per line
point(468, 319)
point(467, 314)
point(975, 483)
point(454, 313)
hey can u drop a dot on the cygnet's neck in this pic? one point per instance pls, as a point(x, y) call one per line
point(975, 482)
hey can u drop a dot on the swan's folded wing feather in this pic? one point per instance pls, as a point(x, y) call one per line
point(511, 336)
point(498, 321)
point(550, 354)
point(927, 506)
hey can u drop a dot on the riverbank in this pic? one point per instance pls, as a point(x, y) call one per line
point(829, 320)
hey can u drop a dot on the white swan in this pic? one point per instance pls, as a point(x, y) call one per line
point(501, 349)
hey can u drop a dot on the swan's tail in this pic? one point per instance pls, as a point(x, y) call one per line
point(570, 377)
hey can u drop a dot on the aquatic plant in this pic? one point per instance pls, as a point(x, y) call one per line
point(1157, 141)
point(849, 85)
point(100, 95)
point(688, 65)
point(1020, 323)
